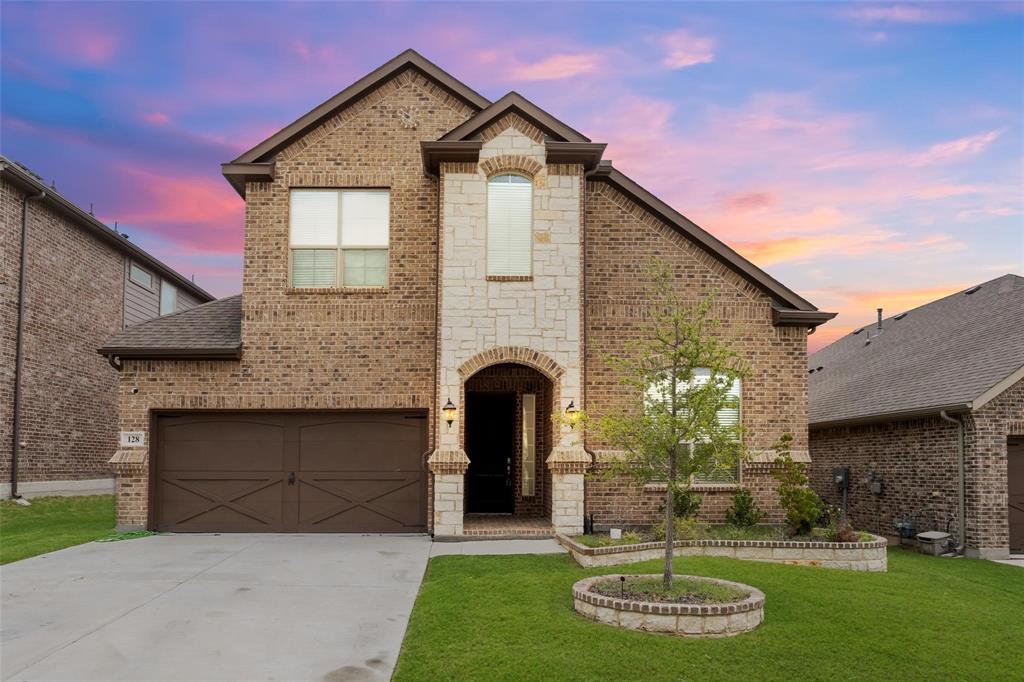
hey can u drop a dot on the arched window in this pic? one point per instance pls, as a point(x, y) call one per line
point(509, 226)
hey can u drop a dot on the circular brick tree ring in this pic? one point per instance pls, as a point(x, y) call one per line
point(688, 620)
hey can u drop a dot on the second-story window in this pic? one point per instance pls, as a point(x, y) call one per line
point(509, 226)
point(339, 238)
point(168, 298)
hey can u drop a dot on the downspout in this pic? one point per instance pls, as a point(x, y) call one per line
point(587, 175)
point(962, 488)
point(433, 414)
point(19, 345)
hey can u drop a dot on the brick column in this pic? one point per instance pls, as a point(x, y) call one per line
point(449, 469)
point(131, 467)
point(568, 465)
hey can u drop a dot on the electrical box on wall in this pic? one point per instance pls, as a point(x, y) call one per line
point(841, 478)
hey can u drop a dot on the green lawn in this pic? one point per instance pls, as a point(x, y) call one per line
point(511, 618)
point(52, 523)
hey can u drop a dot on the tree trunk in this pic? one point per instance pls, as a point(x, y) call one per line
point(670, 519)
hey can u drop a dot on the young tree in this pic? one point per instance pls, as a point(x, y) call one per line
point(680, 374)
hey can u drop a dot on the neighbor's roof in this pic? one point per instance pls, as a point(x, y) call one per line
point(31, 183)
point(953, 354)
point(209, 331)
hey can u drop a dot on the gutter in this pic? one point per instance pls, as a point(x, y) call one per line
point(961, 482)
point(19, 345)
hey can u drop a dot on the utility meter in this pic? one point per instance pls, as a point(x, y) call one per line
point(841, 477)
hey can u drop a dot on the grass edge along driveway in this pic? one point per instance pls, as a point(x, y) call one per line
point(52, 523)
point(511, 617)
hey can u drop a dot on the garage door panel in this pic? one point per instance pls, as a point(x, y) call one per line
point(361, 444)
point(350, 472)
point(225, 445)
point(229, 502)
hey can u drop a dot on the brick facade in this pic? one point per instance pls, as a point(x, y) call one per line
point(441, 325)
point(622, 239)
point(916, 462)
point(68, 408)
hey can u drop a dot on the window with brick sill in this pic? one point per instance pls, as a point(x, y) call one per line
point(339, 239)
point(728, 416)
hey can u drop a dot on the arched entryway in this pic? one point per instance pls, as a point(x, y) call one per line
point(507, 436)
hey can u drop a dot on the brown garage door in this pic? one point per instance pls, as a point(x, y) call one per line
point(290, 472)
point(1015, 484)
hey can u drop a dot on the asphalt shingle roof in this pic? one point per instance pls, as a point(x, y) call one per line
point(211, 329)
point(945, 353)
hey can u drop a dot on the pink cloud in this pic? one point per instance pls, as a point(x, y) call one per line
point(88, 44)
point(156, 118)
point(557, 66)
point(932, 13)
point(750, 201)
point(954, 149)
point(684, 49)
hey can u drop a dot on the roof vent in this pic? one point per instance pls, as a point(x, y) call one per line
point(820, 368)
point(810, 371)
point(900, 316)
point(858, 331)
point(972, 290)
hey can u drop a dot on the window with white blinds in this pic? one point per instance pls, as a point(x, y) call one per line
point(339, 236)
point(509, 226)
point(728, 416)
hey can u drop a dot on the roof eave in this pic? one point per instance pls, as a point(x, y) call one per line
point(897, 415)
point(238, 174)
point(694, 232)
point(588, 154)
point(139, 353)
point(448, 151)
point(785, 317)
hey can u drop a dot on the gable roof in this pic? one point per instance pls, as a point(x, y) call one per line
point(952, 354)
point(786, 299)
point(209, 331)
point(513, 102)
point(265, 150)
point(32, 184)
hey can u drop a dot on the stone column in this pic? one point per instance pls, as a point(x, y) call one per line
point(568, 465)
point(449, 469)
point(131, 469)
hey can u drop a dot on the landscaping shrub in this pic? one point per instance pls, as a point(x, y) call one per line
point(685, 529)
point(837, 525)
point(686, 502)
point(803, 506)
point(743, 512)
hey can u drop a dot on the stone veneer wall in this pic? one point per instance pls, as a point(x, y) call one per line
point(916, 461)
point(622, 239)
point(332, 349)
point(535, 318)
point(73, 304)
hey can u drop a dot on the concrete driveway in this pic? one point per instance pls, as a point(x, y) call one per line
point(212, 607)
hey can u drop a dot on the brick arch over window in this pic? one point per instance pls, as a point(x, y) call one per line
point(511, 163)
point(515, 355)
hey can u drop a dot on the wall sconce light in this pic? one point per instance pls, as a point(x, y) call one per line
point(449, 410)
point(572, 415)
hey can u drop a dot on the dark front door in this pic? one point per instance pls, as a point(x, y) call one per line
point(339, 472)
point(1015, 485)
point(490, 439)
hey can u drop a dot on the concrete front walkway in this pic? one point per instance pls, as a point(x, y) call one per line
point(212, 607)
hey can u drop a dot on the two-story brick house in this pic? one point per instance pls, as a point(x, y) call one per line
point(428, 278)
point(67, 282)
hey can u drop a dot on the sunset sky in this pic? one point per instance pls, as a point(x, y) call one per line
point(864, 154)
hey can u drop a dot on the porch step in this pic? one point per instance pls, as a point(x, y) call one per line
point(504, 526)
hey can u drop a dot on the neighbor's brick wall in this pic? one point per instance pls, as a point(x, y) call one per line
point(73, 305)
point(622, 239)
point(916, 461)
point(987, 494)
point(342, 349)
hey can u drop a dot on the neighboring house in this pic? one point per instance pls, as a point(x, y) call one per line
point(892, 401)
point(74, 284)
point(429, 277)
